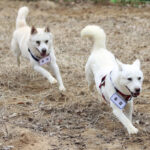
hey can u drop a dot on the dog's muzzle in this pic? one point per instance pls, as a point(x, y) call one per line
point(43, 53)
point(134, 94)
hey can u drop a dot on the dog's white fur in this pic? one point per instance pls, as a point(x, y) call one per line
point(25, 37)
point(100, 63)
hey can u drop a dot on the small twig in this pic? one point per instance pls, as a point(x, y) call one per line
point(5, 126)
point(4, 123)
point(95, 121)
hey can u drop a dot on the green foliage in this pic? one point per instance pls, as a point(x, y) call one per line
point(124, 2)
point(100, 1)
point(132, 2)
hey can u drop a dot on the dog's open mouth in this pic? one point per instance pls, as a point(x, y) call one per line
point(133, 94)
point(43, 54)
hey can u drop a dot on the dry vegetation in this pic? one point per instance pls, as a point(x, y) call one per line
point(34, 115)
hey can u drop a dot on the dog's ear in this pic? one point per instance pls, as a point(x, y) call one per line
point(120, 64)
point(137, 63)
point(33, 30)
point(47, 29)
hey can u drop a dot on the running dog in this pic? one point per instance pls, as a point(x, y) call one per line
point(36, 45)
point(118, 83)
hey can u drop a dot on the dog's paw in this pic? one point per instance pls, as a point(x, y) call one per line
point(53, 81)
point(62, 88)
point(133, 130)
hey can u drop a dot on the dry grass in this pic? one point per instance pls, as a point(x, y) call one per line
point(34, 114)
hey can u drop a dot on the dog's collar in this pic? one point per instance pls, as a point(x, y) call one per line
point(124, 96)
point(34, 57)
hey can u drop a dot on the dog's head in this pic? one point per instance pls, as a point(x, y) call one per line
point(131, 77)
point(40, 41)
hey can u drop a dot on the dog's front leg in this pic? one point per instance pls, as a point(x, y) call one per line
point(45, 73)
point(129, 110)
point(123, 119)
point(56, 72)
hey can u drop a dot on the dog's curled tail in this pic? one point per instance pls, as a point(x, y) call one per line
point(21, 18)
point(97, 34)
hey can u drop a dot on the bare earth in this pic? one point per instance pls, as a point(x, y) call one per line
point(34, 115)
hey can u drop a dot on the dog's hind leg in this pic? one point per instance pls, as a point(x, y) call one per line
point(15, 49)
point(89, 78)
point(18, 59)
point(129, 110)
point(90, 83)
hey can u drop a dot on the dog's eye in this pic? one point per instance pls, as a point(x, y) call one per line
point(38, 42)
point(129, 79)
point(46, 41)
point(139, 78)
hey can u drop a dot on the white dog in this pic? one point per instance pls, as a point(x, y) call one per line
point(118, 83)
point(36, 45)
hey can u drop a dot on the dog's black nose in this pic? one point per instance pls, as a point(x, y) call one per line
point(43, 50)
point(137, 90)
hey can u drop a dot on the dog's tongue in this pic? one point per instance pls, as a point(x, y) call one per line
point(43, 54)
point(135, 94)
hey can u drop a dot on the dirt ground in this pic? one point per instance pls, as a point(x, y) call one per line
point(34, 115)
